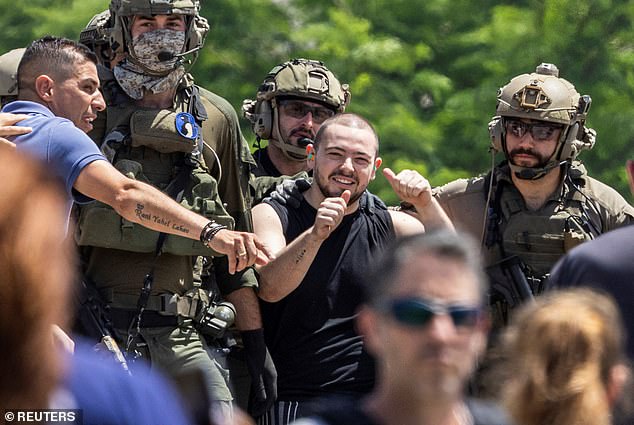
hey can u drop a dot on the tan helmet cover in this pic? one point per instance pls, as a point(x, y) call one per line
point(9, 73)
point(544, 96)
point(541, 95)
point(302, 78)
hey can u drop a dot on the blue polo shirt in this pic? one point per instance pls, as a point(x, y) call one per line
point(106, 395)
point(64, 148)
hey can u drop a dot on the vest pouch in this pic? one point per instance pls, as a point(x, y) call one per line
point(201, 197)
point(157, 130)
point(99, 225)
point(538, 240)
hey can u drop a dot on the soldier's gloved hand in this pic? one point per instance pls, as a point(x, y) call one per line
point(289, 192)
point(263, 392)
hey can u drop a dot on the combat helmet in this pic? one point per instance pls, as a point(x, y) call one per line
point(544, 96)
point(96, 36)
point(304, 79)
point(112, 27)
point(9, 75)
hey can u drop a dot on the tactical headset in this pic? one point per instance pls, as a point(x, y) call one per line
point(302, 78)
point(112, 27)
point(545, 97)
point(575, 139)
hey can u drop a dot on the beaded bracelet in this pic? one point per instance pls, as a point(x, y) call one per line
point(209, 231)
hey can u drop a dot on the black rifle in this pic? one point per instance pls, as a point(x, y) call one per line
point(509, 288)
point(94, 319)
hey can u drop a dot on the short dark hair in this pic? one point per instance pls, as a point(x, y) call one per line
point(50, 55)
point(347, 120)
point(441, 243)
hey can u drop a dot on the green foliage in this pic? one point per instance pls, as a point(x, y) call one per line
point(424, 72)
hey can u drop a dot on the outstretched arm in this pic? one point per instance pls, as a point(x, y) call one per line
point(413, 188)
point(282, 275)
point(143, 204)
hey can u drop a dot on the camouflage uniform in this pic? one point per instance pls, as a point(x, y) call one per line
point(493, 210)
point(150, 145)
point(539, 238)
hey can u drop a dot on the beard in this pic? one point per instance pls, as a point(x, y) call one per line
point(301, 132)
point(322, 184)
point(542, 161)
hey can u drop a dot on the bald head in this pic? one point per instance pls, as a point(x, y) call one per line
point(346, 120)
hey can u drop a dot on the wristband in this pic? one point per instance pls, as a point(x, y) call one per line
point(406, 206)
point(209, 231)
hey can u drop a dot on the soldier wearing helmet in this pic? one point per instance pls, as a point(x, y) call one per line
point(162, 128)
point(550, 109)
point(9, 92)
point(290, 105)
point(9, 75)
point(538, 203)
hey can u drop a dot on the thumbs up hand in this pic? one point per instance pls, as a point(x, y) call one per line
point(329, 215)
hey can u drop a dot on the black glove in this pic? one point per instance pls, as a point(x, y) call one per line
point(263, 391)
point(290, 192)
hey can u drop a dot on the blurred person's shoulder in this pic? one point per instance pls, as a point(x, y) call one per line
point(107, 394)
point(487, 413)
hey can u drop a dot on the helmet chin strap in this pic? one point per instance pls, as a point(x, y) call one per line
point(292, 153)
point(526, 173)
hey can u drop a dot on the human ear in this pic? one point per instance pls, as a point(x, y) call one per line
point(366, 325)
point(44, 86)
point(618, 377)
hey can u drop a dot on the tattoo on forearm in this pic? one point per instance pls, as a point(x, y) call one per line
point(300, 256)
point(160, 220)
point(139, 212)
point(143, 216)
point(181, 228)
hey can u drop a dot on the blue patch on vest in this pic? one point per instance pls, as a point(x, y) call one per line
point(186, 125)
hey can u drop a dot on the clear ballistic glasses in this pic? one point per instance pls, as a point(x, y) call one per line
point(298, 109)
point(540, 131)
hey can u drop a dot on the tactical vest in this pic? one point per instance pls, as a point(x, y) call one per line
point(538, 239)
point(145, 145)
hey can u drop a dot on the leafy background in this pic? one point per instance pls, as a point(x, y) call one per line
point(425, 72)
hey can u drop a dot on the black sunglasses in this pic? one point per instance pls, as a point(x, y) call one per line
point(539, 131)
point(417, 312)
point(298, 109)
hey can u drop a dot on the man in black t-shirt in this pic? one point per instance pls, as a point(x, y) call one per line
point(424, 321)
point(311, 291)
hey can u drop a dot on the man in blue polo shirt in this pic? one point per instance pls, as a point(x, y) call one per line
point(58, 87)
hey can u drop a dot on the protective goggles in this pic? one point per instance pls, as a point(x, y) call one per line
point(418, 312)
point(298, 109)
point(540, 131)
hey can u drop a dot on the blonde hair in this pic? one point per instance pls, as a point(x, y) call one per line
point(35, 273)
point(560, 351)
